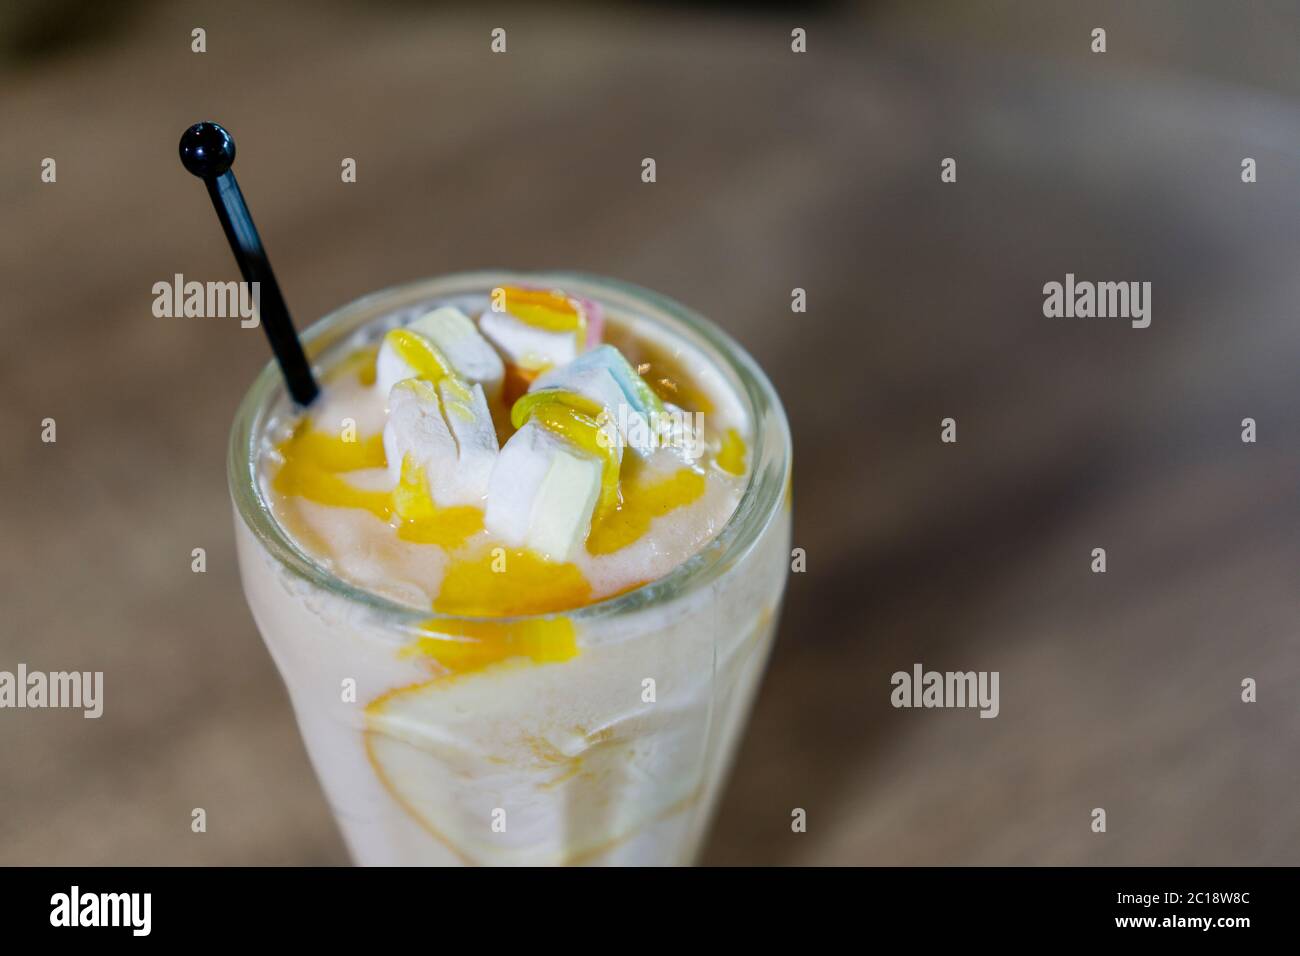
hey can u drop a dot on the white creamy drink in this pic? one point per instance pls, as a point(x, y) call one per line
point(519, 566)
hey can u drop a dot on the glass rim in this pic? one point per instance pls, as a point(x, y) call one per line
point(762, 496)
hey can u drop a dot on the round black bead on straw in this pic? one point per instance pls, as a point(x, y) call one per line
point(208, 151)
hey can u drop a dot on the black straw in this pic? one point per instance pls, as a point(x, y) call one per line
point(208, 151)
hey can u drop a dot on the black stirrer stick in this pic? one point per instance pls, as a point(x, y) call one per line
point(208, 151)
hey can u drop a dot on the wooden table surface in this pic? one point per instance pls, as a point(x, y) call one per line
point(775, 170)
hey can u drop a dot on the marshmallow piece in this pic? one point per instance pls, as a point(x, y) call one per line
point(595, 314)
point(542, 493)
point(536, 329)
point(593, 383)
point(415, 427)
point(583, 424)
point(471, 356)
point(638, 394)
point(527, 346)
point(465, 408)
point(621, 421)
point(606, 377)
point(446, 432)
point(443, 342)
point(405, 354)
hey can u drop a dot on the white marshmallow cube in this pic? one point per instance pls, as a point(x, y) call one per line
point(527, 346)
point(454, 335)
point(542, 493)
point(446, 432)
point(471, 356)
point(465, 409)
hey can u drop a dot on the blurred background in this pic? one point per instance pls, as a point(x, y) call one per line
point(775, 171)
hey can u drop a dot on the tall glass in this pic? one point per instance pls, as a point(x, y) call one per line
point(615, 756)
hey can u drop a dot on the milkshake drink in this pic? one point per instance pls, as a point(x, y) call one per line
point(519, 566)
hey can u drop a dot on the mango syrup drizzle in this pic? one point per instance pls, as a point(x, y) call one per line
point(731, 456)
point(312, 463)
point(420, 354)
point(550, 310)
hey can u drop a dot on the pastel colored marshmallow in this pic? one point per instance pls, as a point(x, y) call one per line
point(606, 377)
